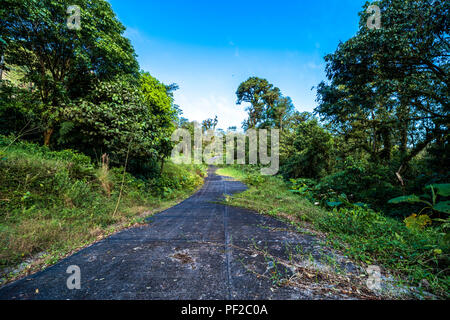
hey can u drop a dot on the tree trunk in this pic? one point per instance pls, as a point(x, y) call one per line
point(47, 135)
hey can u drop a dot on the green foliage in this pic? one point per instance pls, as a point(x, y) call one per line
point(57, 201)
point(304, 187)
point(124, 119)
point(443, 206)
point(268, 108)
point(176, 179)
point(312, 152)
point(158, 98)
point(260, 94)
point(442, 189)
point(18, 111)
point(432, 205)
point(356, 220)
point(361, 233)
point(410, 199)
point(370, 237)
point(81, 89)
point(311, 190)
point(60, 63)
point(254, 179)
point(417, 223)
point(388, 87)
point(359, 180)
point(113, 120)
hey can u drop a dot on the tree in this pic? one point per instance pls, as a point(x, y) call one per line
point(112, 119)
point(125, 120)
point(268, 107)
point(159, 100)
point(388, 88)
point(282, 111)
point(289, 133)
point(209, 124)
point(311, 152)
point(63, 63)
point(261, 95)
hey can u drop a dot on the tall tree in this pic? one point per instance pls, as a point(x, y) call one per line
point(124, 119)
point(281, 112)
point(160, 104)
point(261, 95)
point(390, 86)
point(268, 107)
point(61, 62)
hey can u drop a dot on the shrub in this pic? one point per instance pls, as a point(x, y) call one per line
point(254, 179)
point(175, 178)
point(369, 236)
point(56, 201)
point(360, 181)
point(312, 152)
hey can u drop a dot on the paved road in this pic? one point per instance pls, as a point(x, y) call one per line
point(199, 249)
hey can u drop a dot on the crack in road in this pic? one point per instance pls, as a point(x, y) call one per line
point(227, 245)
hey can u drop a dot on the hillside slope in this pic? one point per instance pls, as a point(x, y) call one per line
point(52, 203)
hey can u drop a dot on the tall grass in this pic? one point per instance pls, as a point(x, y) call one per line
point(369, 237)
point(54, 202)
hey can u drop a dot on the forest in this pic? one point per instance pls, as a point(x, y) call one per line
point(85, 139)
point(84, 133)
point(375, 151)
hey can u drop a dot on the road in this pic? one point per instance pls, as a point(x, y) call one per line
point(199, 249)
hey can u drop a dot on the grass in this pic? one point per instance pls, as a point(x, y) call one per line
point(368, 237)
point(53, 203)
point(269, 196)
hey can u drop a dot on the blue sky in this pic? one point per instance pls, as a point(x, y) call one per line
point(209, 47)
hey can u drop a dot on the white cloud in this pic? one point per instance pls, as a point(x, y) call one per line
point(229, 114)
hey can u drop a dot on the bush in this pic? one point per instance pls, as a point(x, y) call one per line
point(312, 152)
point(176, 178)
point(16, 111)
point(360, 181)
point(254, 179)
point(56, 201)
point(373, 238)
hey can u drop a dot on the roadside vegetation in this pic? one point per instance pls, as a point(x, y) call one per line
point(370, 165)
point(85, 139)
point(415, 256)
point(84, 133)
point(55, 202)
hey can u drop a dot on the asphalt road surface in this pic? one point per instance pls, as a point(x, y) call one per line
point(199, 249)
